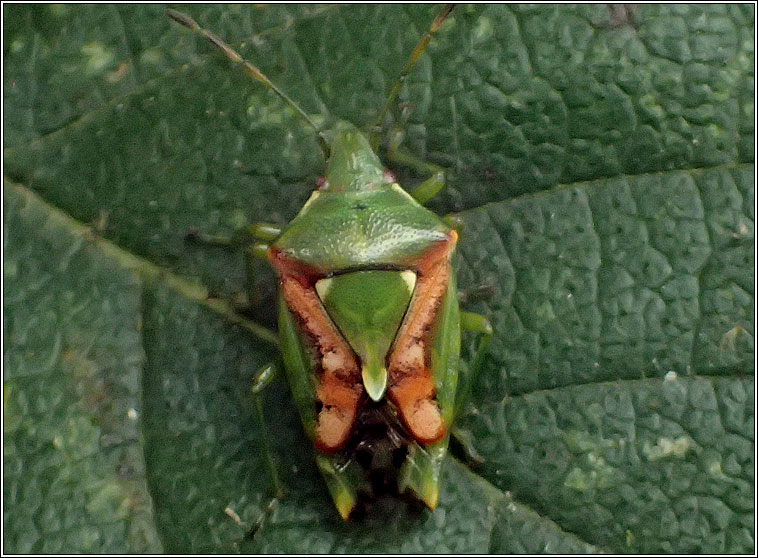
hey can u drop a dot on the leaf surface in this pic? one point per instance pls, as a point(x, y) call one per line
point(600, 161)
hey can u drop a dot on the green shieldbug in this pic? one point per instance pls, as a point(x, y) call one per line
point(368, 312)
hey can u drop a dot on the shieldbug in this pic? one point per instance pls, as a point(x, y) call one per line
point(368, 312)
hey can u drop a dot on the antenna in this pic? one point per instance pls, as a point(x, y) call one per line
point(234, 56)
point(415, 54)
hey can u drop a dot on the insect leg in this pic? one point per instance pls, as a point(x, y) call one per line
point(255, 255)
point(429, 188)
point(483, 291)
point(262, 379)
point(478, 324)
point(432, 185)
point(266, 375)
point(253, 238)
point(415, 54)
point(257, 250)
point(471, 321)
point(241, 237)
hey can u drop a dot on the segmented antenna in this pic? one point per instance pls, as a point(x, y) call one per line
point(417, 52)
point(234, 56)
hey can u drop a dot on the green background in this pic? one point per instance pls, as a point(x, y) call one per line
point(601, 162)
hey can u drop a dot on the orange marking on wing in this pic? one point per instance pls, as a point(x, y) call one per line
point(333, 392)
point(340, 389)
point(414, 398)
point(337, 416)
point(336, 355)
point(411, 386)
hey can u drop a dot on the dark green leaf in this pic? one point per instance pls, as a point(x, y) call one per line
point(604, 160)
point(74, 468)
